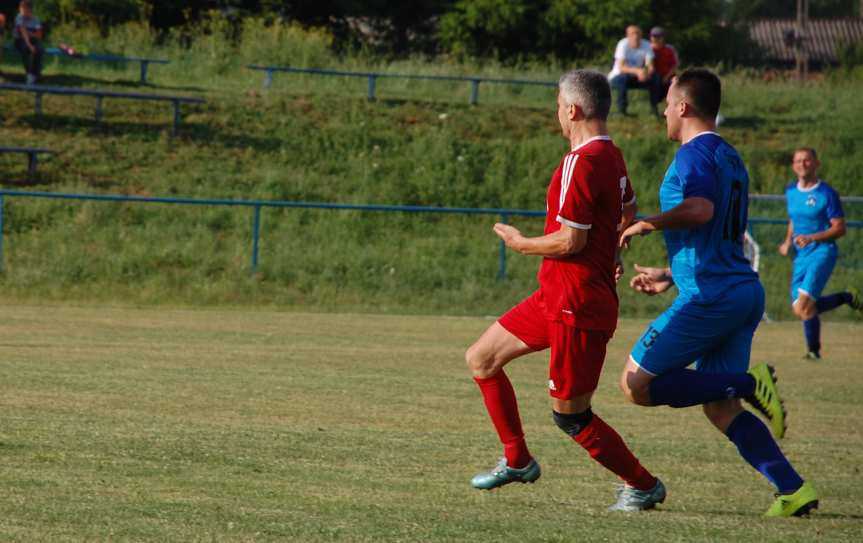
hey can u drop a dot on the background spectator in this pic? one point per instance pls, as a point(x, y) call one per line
point(665, 59)
point(28, 40)
point(633, 68)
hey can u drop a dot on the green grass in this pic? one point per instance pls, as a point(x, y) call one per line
point(318, 139)
point(128, 424)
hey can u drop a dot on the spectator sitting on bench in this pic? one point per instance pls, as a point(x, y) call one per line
point(633, 68)
point(28, 40)
point(665, 58)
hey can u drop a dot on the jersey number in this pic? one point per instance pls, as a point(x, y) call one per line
point(733, 228)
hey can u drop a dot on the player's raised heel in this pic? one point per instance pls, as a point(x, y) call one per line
point(503, 475)
point(798, 504)
point(766, 398)
point(631, 499)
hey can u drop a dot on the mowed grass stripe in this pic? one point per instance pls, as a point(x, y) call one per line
point(237, 425)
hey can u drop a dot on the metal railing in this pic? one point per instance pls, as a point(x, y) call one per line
point(257, 205)
point(374, 76)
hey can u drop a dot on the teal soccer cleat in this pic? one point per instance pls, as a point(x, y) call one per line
point(631, 499)
point(503, 475)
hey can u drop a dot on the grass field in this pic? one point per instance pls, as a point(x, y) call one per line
point(129, 424)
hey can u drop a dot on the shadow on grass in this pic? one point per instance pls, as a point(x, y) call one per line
point(40, 178)
point(148, 131)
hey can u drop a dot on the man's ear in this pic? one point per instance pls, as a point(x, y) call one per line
point(575, 112)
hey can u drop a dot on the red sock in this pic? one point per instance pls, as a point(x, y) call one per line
point(499, 397)
point(607, 447)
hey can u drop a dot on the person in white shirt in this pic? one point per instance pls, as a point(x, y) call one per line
point(633, 68)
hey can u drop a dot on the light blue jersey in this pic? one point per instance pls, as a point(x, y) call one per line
point(708, 260)
point(810, 211)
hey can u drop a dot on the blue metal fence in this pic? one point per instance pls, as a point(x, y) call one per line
point(257, 205)
point(374, 76)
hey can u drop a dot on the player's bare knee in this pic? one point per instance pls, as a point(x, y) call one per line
point(479, 361)
point(634, 390)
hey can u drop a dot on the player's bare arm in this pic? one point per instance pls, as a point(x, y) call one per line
point(565, 242)
point(785, 246)
point(628, 215)
point(837, 230)
point(690, 213)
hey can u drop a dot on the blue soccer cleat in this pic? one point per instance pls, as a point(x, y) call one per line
point(503, 475)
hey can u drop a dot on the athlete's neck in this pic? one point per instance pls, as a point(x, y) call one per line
point(807, 181)
point(692, 126)
point(583, 131)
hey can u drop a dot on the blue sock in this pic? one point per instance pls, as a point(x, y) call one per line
point(758, 447)
point(812, 331)
point(685, 388)
point(826, 303)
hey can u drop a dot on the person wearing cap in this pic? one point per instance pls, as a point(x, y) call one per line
point(633, 69)
point(665, 58)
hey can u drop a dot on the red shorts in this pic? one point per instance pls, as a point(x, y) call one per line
point(576, 355)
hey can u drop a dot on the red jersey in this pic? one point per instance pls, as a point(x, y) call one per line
point(664, 60)
point(587, 191)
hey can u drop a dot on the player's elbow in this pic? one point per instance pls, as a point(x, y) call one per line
point(573, 245)
point(841, 230)
point(701, 211)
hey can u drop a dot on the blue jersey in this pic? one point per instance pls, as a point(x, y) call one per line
point(706, 261)
point(810, 211)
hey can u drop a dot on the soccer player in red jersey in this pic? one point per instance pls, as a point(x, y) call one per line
point(574, 311)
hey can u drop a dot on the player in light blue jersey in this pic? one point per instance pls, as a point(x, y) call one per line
point(815, 222)
point(704, 200)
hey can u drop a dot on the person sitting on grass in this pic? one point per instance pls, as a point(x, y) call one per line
point(28, 40)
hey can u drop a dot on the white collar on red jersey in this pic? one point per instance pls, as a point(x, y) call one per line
point(594, 138)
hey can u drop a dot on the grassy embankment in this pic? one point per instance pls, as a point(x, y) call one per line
point(318, 139)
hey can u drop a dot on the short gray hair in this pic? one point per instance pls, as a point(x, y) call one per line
point(589, 90)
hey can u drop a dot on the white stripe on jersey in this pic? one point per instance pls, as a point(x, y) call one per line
point(573, 224)
point(566, 177)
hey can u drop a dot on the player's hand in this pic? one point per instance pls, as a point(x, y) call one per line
point(803, 240)
point(618, 268)
point(509, 234)
point(785, 247)
point(638, 228)
point(642, 75)
point(651, 281)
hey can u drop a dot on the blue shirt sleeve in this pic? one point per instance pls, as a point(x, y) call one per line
point(834, 205)
point(697, 173)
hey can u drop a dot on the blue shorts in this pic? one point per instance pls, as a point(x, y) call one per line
point(716, 336)
point(811, 272)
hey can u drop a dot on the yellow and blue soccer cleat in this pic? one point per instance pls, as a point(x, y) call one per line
point(798, 504)
point(766, 398)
